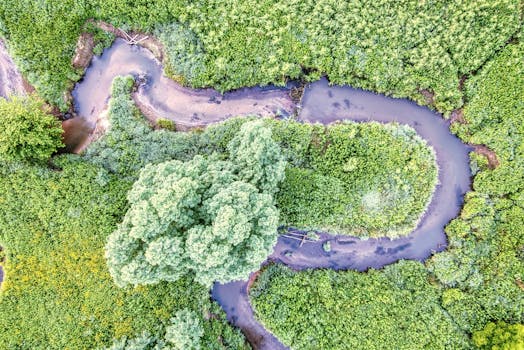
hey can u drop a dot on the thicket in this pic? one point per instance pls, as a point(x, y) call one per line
point(395, 308)
point(363, 179)
point(500, 336)
point(184, 332)
point(27, 131)
point(209, 218)
point(484, 264)
point(58, 292)
point(405, 48)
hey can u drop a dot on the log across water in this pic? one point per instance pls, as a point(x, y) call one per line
point(160, 97)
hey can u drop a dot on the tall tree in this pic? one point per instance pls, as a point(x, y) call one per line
point(209, 217)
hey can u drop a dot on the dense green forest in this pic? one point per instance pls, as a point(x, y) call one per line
point(419, 49)
point(371, 180)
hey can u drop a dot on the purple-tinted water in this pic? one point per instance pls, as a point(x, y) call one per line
point(11, 81)
point(327, 104)
point(160, 97)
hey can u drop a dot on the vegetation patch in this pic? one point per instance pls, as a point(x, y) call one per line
point(396, 308)
point(472, 291)
point(362, 179)
point(58, 292)
point(28, 132)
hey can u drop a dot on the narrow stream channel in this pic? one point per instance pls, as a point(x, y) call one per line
point(160, 97)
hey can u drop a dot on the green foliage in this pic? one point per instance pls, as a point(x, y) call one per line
point(206, 217)
point(27, 131)
point(57, 291)
point(363, 179)
point(130, 143)
point(397, 308)
point(257, 157)
point(166, 124)
point(186, 58)
point(484, 262)
point(481, 273)
point(390, 46)
point(500, 336)
point(185, 331)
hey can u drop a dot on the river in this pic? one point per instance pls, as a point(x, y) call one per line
point(160, 97)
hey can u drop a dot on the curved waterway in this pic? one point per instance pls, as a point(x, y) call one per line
point(160, 97)
point(326, 104)
point(157, 96)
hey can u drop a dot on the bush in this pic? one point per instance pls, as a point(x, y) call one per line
point(361, 179)
point(396, 308)
point(53, 226)
point(500, 336)
point(185, 331)
point(27, 131)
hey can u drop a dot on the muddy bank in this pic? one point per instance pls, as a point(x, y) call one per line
point(11, 81)
point(136, 38)
point(490, 155)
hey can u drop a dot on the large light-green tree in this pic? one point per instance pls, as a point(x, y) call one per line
point(213, 218)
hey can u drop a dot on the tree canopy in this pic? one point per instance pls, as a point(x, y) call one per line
point(209, 217)
point(27, 130)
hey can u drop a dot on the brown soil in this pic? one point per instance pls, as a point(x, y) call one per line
point(483, 150)
point(462, 81)
point(457, 116)
point(429, 96)
point(519, 283)
point(83, 51)
point(252, 279)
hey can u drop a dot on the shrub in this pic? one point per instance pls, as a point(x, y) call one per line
point(500, 336)
point(185, 331)
point(27, 131)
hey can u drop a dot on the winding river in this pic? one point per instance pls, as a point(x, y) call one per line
point(160, 97)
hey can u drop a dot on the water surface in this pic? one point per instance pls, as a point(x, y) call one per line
point(11, 81)
point(160, 97)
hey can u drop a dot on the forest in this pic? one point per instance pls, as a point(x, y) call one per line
point(118, 247)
